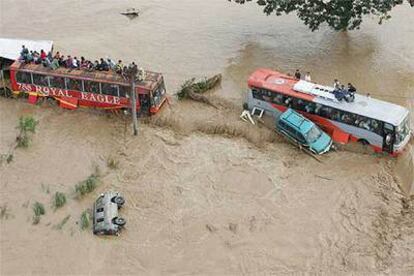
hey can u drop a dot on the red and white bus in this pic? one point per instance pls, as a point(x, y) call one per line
point(382, 125)
point(77, 87)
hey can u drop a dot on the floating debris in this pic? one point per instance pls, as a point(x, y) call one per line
point(131, 13)
point(193, 90)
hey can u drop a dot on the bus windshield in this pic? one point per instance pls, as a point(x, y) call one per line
point(402, 131)
point(313, 134)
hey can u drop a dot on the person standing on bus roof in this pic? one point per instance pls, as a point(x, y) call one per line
point(297, 74)
point(336, 84)
point(308, 77)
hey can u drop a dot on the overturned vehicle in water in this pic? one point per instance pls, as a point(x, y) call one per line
point(106, 220)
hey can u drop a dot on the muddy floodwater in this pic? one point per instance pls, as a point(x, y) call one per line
point(206, 194)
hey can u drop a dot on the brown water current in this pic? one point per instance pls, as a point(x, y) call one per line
point(206, 193)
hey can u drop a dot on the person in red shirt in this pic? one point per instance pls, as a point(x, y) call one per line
point(42, 55)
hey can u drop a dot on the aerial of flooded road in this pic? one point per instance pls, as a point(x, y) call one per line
point(206, 193)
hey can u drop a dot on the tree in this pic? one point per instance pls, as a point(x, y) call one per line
point(341, 15)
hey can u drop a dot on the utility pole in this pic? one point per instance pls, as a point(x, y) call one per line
point(132, 73)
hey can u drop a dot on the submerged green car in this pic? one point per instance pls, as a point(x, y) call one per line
point(303, 131)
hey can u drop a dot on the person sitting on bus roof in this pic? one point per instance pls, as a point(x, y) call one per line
point(69, 62)
point(297, 74)
point(351, 88)
point(75, 63)
point(308, 77)
point(119, 66)
point(62, 61)
point(82, 62)
point(103, 65)
point(29, 57)
point(111, 64)
point(96, 65)
point(46, 63)
point(36, 57)
point(57, 55)
point(49, 56)
point(42, 55)
point(55, 64)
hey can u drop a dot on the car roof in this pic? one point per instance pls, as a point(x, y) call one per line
point(297, 121)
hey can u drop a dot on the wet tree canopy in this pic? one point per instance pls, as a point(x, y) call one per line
point(341, 15)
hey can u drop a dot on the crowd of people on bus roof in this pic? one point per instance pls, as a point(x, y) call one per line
point(340, 91)
point(58, 60)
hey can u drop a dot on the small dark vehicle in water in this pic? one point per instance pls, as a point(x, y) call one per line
point(106, 220)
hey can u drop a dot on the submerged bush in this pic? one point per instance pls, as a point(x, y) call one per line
point(26, 125)
point(86, 186)
point(85, 220)
point(59, 199)
point(38, 210)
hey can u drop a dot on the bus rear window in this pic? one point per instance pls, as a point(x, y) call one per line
point(23, 77)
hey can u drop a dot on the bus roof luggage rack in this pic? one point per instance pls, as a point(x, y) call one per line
point(315, 90)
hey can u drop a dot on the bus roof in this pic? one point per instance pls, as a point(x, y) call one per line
point(362, 105)
point(151, 80)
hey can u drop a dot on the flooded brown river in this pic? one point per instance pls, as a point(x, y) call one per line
point(205, 193)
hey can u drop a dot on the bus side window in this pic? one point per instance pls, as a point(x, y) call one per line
point(278, 99)
point(23, 77)
point(57, 82)
point(124, 91)
point(257, 94)
point(91, 87)
point(74, 84)
point(110, 89)
point(40, 80)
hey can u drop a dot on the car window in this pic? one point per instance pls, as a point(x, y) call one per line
point(100, 220)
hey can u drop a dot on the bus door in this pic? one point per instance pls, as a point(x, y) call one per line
point(144, 101)
point(389, 138)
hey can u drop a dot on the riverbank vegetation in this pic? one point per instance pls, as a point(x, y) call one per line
point(338, 15)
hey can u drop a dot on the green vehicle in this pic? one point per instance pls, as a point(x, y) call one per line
point(304, 132)
point(106, 220)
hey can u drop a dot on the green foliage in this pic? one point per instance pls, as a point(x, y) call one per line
point(26, 125)
point(86, 186)
point(85, 220)
point(59, 199)
point(38, 210)
point(340, 15)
